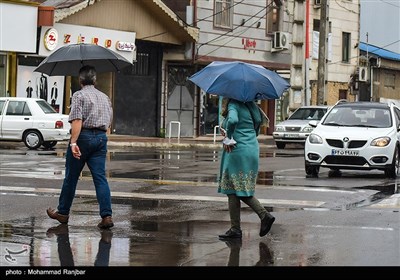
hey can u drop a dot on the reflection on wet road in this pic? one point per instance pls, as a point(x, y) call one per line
point(171, 233)
point(167, 213)
point(160, 167)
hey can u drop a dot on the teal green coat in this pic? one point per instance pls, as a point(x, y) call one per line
point(239, 168)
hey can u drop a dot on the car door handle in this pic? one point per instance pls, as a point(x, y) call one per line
point(26, 119)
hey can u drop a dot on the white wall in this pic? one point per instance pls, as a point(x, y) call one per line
point(18, 28)
point(344, 17)
point(223, 43)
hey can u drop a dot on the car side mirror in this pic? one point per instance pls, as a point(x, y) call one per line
point(313, 123)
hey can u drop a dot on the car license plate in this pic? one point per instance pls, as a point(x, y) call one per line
point(344, 152)
point(291, 135)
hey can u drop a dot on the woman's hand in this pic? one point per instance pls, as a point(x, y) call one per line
point(223, 131)
point(228, 148)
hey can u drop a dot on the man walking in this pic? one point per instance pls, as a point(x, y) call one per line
point(90, 117)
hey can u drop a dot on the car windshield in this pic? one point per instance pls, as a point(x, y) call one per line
point(308, 114)
point(46, 107)
point(356, 116)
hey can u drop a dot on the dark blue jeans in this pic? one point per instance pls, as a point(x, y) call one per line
point(93, 147)
point(103, 254)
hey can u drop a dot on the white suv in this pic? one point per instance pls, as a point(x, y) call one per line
point(32, 121)
point(357, 136)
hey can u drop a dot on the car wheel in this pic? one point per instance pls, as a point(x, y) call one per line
point(32, 139)
point(49, 144)
point(393, 169)
point(311, 170)
point(280, 145)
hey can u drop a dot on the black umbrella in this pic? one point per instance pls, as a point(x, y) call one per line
point(67, 60)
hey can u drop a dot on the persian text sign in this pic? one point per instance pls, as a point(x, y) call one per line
point(75, 34)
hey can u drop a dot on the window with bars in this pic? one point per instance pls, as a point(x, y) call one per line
point(142, 65)
point(223, 13)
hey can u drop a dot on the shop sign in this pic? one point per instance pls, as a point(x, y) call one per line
point(51, 39)
point(125, 46)
point(119, 41)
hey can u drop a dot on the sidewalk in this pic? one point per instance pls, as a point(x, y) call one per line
point(208, 141)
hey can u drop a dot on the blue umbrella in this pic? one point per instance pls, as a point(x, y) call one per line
point(241, 81)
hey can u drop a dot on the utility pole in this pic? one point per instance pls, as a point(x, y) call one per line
point(322, 53)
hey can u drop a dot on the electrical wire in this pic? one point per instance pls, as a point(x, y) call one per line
point(356, 57)
point(389, 3)
point(184, 22)
point(230, 31)
point(343, 7)
point(220, 12)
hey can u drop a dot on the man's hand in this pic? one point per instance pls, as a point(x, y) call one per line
point(76, 152)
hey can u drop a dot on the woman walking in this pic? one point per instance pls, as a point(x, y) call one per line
point(239, 163)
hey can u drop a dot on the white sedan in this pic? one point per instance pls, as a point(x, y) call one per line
point(32, 121)
point(357, 136)
point(296, 128)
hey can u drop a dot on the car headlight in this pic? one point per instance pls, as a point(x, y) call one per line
point(308, 129)
point(381, 141)
point(314, 139)
point(279, 128)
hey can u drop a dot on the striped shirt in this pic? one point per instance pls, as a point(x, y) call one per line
point(91, 106)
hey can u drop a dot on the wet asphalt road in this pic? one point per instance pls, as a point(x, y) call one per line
point(167, 214)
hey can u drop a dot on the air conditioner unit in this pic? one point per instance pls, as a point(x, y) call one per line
point(362, 74)
point(281, 40)
point(317, 4)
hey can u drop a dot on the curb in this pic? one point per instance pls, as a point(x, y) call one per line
point(175, 145)
point(163, 145)
point(118, 144)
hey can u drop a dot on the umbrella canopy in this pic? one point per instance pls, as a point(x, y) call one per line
point(67, 60)
point(241, 81)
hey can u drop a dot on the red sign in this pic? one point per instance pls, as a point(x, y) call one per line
point(249, 44)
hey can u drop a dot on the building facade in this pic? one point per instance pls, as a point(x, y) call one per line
point(138, 94)
point(329, 29)
point(173, 39)
point(256, 32)
point(379, 75)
